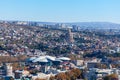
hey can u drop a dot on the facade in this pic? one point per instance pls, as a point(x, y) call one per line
point(8, 68)
point(98, 74)
point(6, 71)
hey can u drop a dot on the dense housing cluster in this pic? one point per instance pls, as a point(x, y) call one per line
point(34, 50)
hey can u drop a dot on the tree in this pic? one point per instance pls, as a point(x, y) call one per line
point(61, 76)
point(70, 75)
point(76, 72)
point(111, 77)
point(39, 79)
point(52, 78)
point(11, 78)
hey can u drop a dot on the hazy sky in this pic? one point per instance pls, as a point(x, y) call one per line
point(61, 10)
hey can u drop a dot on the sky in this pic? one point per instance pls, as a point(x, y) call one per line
point(61, 10)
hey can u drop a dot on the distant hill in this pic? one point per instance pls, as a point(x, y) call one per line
point(84, 25)
point(97, 25)
point(90, 25)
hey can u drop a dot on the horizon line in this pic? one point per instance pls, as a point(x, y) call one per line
point(63, 21)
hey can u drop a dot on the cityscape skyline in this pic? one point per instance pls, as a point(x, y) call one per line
point(61, 10)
